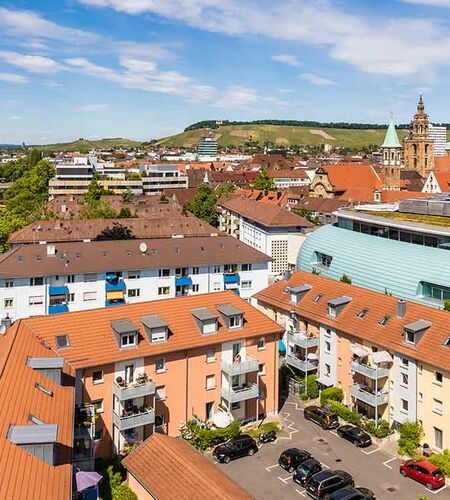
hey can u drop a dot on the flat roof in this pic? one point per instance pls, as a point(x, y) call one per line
point(418, 326)
point(33, 434)
point(153, 321)
point(123, 326)
point(339, 301)
point(42, 363)
point(203, 313)
point(229, 310)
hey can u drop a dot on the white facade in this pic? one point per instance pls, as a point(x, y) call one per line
point(24, 297)
point(328, 356)
point(431, 184)
point(439, 137)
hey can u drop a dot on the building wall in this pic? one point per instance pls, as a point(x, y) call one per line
point(136, 486)
point(404, 366)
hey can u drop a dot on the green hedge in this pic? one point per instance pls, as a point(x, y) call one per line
point(442, 460)
point(383, 430)
point(202, 439)
point(410, 435)
point(345, 413)
point(331, 394)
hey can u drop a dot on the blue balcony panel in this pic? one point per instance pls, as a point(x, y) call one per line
point(115, 287)
point(231, 278)
point(58, 308)
point(58, 290)
point(183, 281)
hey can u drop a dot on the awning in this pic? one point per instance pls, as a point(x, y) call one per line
point(281, 346)
point(359, 351)
point(114, 287)
point(58, 290)
point(222, 419)
point(231, 278)
point(324, 381)
point(183, 281)
point(381, 357)
point(114, 295)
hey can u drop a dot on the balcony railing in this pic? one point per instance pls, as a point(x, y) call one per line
point(237, 394)
point(250, 364)
point(302, 364)
point(58, 308)
point(132, 420)
point(231, 278)
point(368, 397)
point(131, 391)
point(371, 372)
point(302, 340)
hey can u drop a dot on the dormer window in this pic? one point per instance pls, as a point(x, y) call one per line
point(157, 329)
point(409, 337)
point(126, 333)
point(335, 306)
point(206, 320)
point(128, 340)
point(331, 311)
point(232, 316)
point(413, 332)
point(235, 322)
point(298, 292)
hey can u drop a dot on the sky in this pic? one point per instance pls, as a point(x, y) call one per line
point(145, 69)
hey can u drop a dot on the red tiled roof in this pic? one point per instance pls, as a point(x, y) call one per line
point(298, 173)
point(443, 179)
point(442, 163)
point(170, 468)
point(345, 176)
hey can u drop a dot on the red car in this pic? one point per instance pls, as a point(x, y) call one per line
point(424, 472)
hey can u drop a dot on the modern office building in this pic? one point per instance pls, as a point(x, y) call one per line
point(207, 149)
point(390, 357)
point(439, 137)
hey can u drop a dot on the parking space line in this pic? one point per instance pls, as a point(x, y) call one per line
point(271, 467)
point(302, 493)
point(435, 492)
point(390, 460)
point(325, 466)
point(290, 428)
point(334, 433)
point(371, 451)
point(296, 405)
point(285, 479)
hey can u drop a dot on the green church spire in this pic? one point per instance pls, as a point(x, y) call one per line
point(391, 139)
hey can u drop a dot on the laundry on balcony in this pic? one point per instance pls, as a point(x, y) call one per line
point(58, 291)
point(359, 351)
point(183, 281)
point(312, 356)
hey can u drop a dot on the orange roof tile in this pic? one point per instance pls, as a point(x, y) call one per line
point(442, 163)
point(430, 348)
point(170, 468)
point(344, 176)
point(443, 179)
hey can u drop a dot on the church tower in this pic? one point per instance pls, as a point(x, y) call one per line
point(418, 147)
point(392, 152)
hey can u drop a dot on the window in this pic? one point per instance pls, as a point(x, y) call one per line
point(37, 300)
point(128, 340)
point(164, 273)
point(35, 420)
point(98, 436)
point(217, 287)
point(261, 344)
point(262, 369)
point(235, 406)
point(160, 393)
point(36, 281)
point(70, 297)
point(43, 389)
point(438, 378)
point(384, 320)
point(62, 341)
point(323, 259)
point(164, 290)
point(97, 377)
point(235, 322)
point(327, 346)
point(129, 374)
point(195, 288)
point(158, 336)
point(409, 337)
point(230, 268)
point(71, 278)
point(405, 362)
point(98, 405)
point(159, 420)
point(327, 370)
point(210, 382)
point(447, 342)
point(210, 355)
point(404, 405)
point(438, 438)
point(217, 269)
point(437, 406)
point(404, 379)
point(246, 285)
point(9, 303)
point(9, 283)
point(181, 271)
point(160, 365)
point(134, 275)
point(435, 292)
point(134, 292)
point(331, 311)
point(317, 298)
point(195, 270)
point(89, 296)
point(362, 313)
point(209, 410)
point(89, 278)
point(246, 267)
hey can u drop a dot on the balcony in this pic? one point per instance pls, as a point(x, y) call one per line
point(301, 339)
point(131, 391)
point(183, 281)
point(242, 393)
point(372, 372)
point(130, 420)
point(303, 365)
point(368, 397)
point(250, 364)
point(231, 278)
point(58, 308)
point(115, 286)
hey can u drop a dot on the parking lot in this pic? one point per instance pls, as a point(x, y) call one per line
point(371, 467)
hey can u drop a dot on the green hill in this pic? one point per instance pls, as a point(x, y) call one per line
point(84, 145)
point(283, 135)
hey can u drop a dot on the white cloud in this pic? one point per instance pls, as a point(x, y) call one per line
point(316, 79)
point(434, 3)
point(15, 117)
point(383, 45)
point(288, 59)
point(284, 91)
point(92, 107)
point(13, 78)
point(31, 63)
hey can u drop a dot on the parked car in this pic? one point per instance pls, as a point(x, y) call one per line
point(322, 416)
point(355, 435)
point(306, 470)
point(350, 493)
point(424, 472)
point(291, 458)
point(323, 483)
point(234, 448)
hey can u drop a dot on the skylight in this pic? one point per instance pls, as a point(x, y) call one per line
point(39, 386)
point(62, 341)
point(384, 320)
point(447, 342)
point(317, 298)
point(35, 420)
point(362, 313)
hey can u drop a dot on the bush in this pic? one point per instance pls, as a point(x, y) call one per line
point(331, 394)
point(123, 492)
point(202, 439)
point(370, 426)
point(380, 432)
point(266, 427)
point(312, 389)
point(345, 413)
point(410, 435)
point(442, 460)
point(304, 397)
point(346, 279)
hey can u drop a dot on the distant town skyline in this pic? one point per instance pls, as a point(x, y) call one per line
point(145, 69)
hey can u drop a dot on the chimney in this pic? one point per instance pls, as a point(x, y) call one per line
point(401, 309)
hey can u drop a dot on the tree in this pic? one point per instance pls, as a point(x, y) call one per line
point(410, 435)
point(227, 188)
point(447, 305)
point(115, 232)
point(306, 214)
point(94, 192)
point(126, 213)
point(127, 196)
point(331, 393)
point(263, 182)
point(203, 205)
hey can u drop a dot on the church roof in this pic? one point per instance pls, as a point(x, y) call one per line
point(391, 139)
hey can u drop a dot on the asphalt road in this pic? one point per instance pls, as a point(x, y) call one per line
point(373, 468)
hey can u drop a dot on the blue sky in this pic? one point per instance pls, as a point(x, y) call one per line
point(147, 68)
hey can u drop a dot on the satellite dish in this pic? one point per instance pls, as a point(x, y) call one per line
point(143, 247)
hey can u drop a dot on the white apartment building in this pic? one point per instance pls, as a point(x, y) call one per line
point(268, 228)
point(54, 278)
point(439, 136)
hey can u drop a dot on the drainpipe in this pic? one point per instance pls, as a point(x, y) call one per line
point(187, 383)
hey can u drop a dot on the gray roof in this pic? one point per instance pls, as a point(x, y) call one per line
point(229, 310)
point(300, 289)
point(418, 326)
point(33, 434)
point(153, 321)
point(123, 326)
point(203, 313)
point(41, 363)
point(339, 301)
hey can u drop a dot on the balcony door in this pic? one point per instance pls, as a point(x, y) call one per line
point(236, 352)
